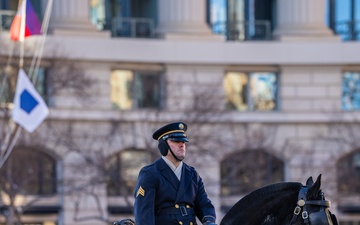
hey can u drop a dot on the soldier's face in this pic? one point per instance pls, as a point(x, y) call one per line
point(178, 148)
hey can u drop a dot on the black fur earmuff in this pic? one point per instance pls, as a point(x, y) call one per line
point(163, 147)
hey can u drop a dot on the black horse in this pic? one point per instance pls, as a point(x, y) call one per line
point(287, 203)
point(125, 222)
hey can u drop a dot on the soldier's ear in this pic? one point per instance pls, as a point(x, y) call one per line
point(163, 147)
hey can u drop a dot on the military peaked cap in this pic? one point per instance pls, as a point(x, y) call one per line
point(172, 131)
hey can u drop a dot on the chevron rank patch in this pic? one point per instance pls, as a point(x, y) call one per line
point(140, 191)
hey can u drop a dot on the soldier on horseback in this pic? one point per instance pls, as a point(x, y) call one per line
point(169, 191)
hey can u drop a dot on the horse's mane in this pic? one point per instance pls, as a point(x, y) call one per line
point(265, 206)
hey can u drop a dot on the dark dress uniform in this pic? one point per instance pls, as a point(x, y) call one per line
point(161, 199)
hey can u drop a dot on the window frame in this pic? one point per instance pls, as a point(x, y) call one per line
point(136, 73)
point(349, 28)
point(116, 171)
point(243, 156)
point(248, 71)
point(343, 167)
point(344, 73)
point(242, 20)
point(40, 180)
point(42, 86)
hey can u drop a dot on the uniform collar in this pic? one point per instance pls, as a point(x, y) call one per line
point(171, 165)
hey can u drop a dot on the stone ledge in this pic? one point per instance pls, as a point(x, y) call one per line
point(231, 117)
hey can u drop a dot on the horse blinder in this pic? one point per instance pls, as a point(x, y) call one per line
point(321, 217)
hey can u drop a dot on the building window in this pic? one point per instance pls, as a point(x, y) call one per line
point(128, 18)
point(124, 168)
point(241, 19)
point(240, 174)
point(351, 91)
point(8, 9)
point(30, 171)
point(348, 177)
point(7, 86)
point(255, 91)
point(8, 77)
point(134, 90)
point(344, 17)
point(216, 15)
point(97, 13)
point(13, 6)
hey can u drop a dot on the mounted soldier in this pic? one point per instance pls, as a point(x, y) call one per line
point(169, 191)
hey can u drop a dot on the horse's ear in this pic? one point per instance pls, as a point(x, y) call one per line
point(309, 181)
point(314, 189)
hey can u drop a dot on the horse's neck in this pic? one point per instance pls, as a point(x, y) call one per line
point(271, 205)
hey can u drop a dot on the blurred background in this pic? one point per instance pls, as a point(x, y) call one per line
point(270, 90)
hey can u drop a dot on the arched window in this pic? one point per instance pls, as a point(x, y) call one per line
point(29, 171)
point(123, 170)
point(245, 171)
point(348, 173)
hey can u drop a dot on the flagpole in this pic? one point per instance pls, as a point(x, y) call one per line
point(22, 34)
point(14, 138)
point(7, 130)
point(39, 50)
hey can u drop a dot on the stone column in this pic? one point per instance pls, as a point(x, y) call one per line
point(302, 19)
point(185, 19)
point(72, 17)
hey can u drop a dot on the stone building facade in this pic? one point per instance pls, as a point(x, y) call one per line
point(268, 110)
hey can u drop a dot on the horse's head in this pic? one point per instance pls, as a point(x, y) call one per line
point(125, 222)
point(285, 203)
point(312, 208)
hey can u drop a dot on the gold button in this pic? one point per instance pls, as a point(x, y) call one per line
point(176, 206)
point(187, 206)
point(191, 223)
point(180, 222)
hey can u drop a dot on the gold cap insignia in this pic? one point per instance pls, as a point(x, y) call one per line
point(140, 191)
point(181, 126)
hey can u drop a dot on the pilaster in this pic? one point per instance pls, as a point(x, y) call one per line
point(69, 17)
point(302, 20)
point(183, 19)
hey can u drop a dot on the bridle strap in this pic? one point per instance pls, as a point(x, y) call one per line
point(301, 206)
point(324, 203)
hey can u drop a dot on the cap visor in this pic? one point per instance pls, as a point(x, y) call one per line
point(179, 139)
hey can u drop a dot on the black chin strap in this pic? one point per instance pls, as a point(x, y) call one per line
point(172, 153)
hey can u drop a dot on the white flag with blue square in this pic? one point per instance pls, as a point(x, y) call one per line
point(30, 109)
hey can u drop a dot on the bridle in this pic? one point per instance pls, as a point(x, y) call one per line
point(321, 217)
point(125, 222)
